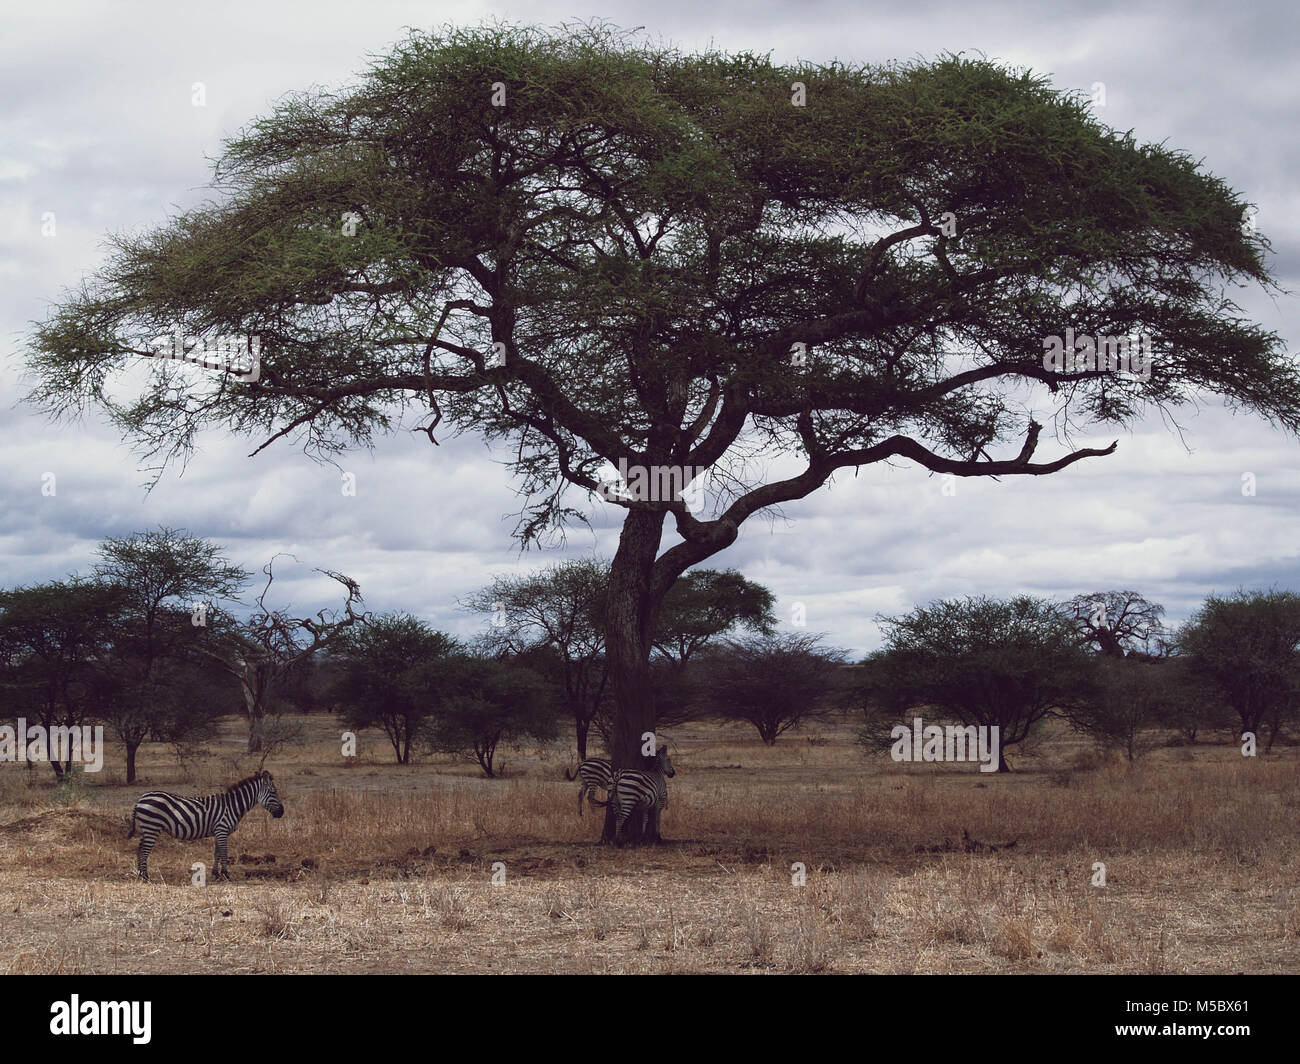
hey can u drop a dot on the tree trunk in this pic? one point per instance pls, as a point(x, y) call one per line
point(1110, 645)
point(254, 730)
point(485, 751)
point(255, 690)
point(131, 748)
point(1252, 721)
point(584, 726)
point(629, 626)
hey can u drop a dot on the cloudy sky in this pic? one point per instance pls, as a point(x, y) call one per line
point(99, 129)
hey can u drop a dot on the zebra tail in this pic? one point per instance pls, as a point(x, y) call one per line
point(591, 797)
point(567, 776)
point(131, 834)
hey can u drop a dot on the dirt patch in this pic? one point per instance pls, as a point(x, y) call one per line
point(65, 825)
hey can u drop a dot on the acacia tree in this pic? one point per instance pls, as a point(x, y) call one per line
point(773, 682)
point(388, 675)
point(1123, 702)
point(980, 661)
point(164, 575)
point(493, 700)
point(606, 252)
point(705, 604)
point(57, 654)
point(1246, 646)
point(560, 610)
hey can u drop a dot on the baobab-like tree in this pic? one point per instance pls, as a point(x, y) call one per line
point(697, 269)
point(1120, 624)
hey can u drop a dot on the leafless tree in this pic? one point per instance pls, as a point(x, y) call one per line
point(262, 650)
point(1120, 624)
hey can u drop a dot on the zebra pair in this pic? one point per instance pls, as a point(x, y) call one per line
point(216, 815)
point(630, 791)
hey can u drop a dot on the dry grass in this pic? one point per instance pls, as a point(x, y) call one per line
point(378, 867)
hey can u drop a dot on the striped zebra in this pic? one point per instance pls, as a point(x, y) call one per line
point(594, 773)
point(643, 791)
point(217, 815)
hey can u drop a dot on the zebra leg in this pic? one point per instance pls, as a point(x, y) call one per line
point(142, 854)
point(219, 864)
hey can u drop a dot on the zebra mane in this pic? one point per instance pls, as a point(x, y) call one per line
point(249, 779)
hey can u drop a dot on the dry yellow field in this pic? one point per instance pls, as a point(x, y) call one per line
point(384, 868)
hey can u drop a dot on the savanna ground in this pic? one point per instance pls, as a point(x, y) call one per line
point(382, 868)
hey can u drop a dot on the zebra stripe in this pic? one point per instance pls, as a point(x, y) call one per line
point(595, 772)
point(643, 791)
point(186, 818)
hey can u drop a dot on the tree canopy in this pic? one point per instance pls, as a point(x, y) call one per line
point(705, 604)
point(168, 578)
point(980, 661)
point(774, 682)
point(57, 665)
point(394, 672)
point(1246, 647)
point(646, 234)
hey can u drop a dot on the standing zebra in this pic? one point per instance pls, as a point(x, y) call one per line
point(594, 772)
point(641, 790)
point(197, 818)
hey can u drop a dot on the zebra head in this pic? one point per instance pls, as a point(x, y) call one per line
point(268, 796)
point(664, 764)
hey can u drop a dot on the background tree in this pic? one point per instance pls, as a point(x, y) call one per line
point(261, 651)
point(165, 577)
point(774, 682)
point(1119, 623)
point(660, 262)
point(705, 604)
point(1247, 647)
point(1189, 704)
point(1123, 704)
point(303, 686)
point(389, 676)
point(980, 661)
point(555, 619)
point(495, 701)
point(57, 654)
point(201, 692)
